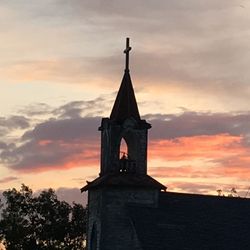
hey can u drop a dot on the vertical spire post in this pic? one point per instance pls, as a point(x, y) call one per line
point(126, 51)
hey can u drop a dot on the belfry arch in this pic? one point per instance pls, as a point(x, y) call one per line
point(128, 143)
point(123, 148)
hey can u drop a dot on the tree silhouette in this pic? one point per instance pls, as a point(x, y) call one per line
point(41, 222)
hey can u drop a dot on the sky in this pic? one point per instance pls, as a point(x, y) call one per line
point(62, 63)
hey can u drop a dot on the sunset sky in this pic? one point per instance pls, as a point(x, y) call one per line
point(61, 65)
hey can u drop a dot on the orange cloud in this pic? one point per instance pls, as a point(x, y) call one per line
point(44, 142)
point(207, 162)
point(46, 155)
point(199, 164)
point(209, 147)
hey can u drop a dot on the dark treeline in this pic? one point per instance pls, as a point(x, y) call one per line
point(31, 222)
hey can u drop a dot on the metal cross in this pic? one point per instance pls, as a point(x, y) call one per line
point(126, 51)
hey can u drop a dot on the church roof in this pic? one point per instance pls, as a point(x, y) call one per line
point(125, 105)
point(193, 222)
point(124, 180)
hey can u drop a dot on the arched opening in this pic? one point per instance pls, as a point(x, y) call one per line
point(93, 238)
point(127, 164)
point(123, 149)
point(131, 139)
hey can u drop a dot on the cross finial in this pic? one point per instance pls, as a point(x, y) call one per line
point(126, 51)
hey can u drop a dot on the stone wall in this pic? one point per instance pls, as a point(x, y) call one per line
point(109, 214)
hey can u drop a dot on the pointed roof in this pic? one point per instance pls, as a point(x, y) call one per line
point(125, 105)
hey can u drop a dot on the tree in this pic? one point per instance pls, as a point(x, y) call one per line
point(41, 222)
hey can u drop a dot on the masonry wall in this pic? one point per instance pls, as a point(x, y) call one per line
point(109, 213)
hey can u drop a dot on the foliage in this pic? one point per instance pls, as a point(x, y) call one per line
point(233, 193)
point(42, 222)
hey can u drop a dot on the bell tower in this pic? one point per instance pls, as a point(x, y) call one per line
point(124, 124)
point(123, 179)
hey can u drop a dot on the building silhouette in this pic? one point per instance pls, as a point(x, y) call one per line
point(129, 210)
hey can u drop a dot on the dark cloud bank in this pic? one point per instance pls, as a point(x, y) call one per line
point(69, 136)
point(198, 123)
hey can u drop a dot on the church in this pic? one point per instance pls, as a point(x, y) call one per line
point(130, 210)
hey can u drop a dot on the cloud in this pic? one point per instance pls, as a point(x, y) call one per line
point(59, 138)
point(200, 188)
point(187, 172)
point(8, 124)
point(3, 145)
point(72, 195)
point(65, 130)
point(96, 70)
point(181, 50)
point(58, 70)
point(191, 123)
point(72, 109)
point(207, 188)
point(14, 122)
point(208, 57)
point(76, 109)
point(209, 162)
point(206, 60)
point(36, 109)
point(55, 144)
point(8, 179)
point(68, 138)
point(142, 9)
point(198, 147)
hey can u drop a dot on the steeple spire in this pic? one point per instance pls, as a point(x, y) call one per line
point(124, 126)
point(125, 105)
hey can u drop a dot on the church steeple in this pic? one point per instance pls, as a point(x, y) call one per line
point(125, 105)
point(124, 127)
point(124, 124)
point(123, 178)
